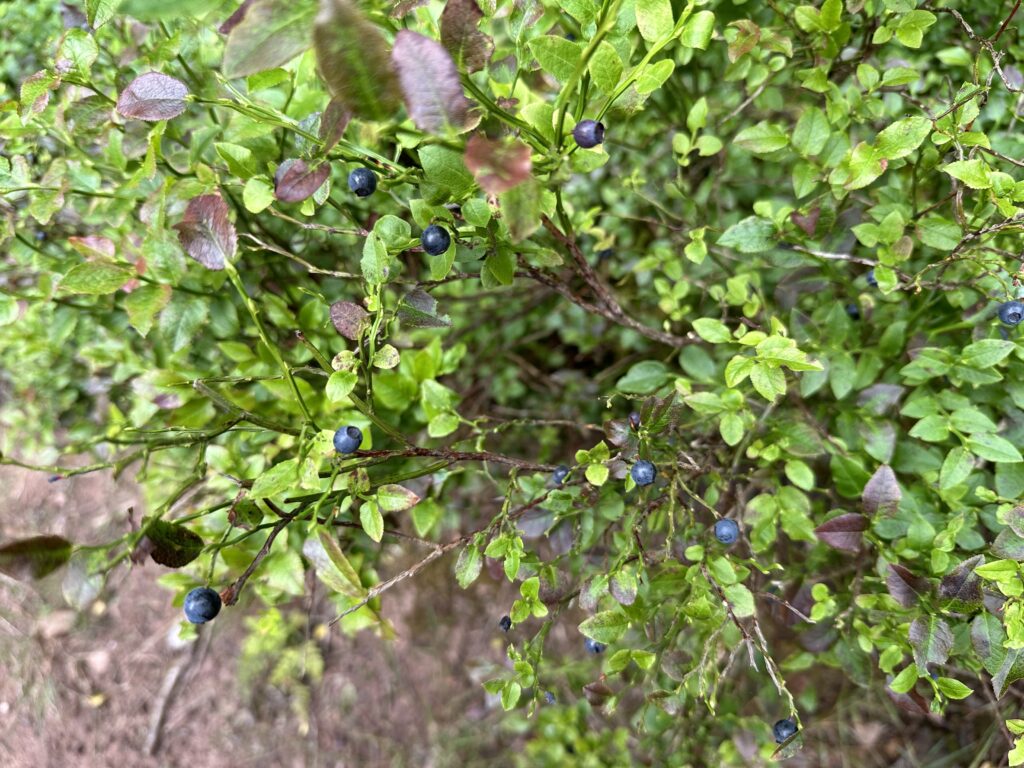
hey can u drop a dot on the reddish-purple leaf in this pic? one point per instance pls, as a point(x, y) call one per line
point(267, 34)
point(430, 83)
point(882, 492)
point(235, 18)
point(35, 557)
point(912, 702)
point(206, 233)
point(962, 585)
point(353, 59)
point(597, 692)
point(333, 123)
point(348, 318)
point(295, 180)
point(807, 223)
point(152, 96)
point(404, 7)
point(172, 544)
point(905, 587)
point(845, 532)
point(932, 640)
point(498, 165)
point(460, 34)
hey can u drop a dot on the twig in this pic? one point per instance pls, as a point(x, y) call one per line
point(169, 691)
point(452, 456)
point(230, 594)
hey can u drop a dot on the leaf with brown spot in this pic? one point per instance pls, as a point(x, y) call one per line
point(349, 319)
point(152, 96)
point(962, 586)
point(353, 59)
point(35, 557)
point(93, 247)
point(1015, 519)
point(206, 232)
point(882, 492)
point(906, 588)
point(295, 180)
point(430, 83)
point(498, 166)
point(461, 35)
point(845, 532)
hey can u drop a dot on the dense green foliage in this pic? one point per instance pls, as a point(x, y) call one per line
point(787, 257)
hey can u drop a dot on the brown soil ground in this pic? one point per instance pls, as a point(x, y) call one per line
point(81, 690)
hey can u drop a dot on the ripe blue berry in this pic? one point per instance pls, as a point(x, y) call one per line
point(549, 697)
point(363, 182)
point(348, 439)
point(872, 280)
point(435, 240)
point(505, 623)
point(634, 420)
point(1011, 313)
point(593, 646)
point(588, 133)
point(783, 729)
point(561, 472)
point(727, 531)
point(853, 311)
point(643, 472)
point(201, 605)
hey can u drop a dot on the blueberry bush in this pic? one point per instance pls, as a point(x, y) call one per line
point(694, 320)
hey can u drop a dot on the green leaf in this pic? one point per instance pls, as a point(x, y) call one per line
point(712, 330)
point(644, 377)
point(597, 474)
point(95, 278)
point(371, 520)
point(741, 599)
point(654, 19)
point(605, 67)
point(468, 566)
point(811, 133)
point(751, 235)
point(340, 385)
point(426, 515)
point(353, 60)
point(953, 689)
point(955, 468)
point(281, 477)
point(520, 209)
point(444, 167)
point(556, 55)
point(986, 353)
point(994, 448)
point(697, 30)
point(902, 137)
point(974, 173)
point(35, 557)
point(763, 138)
point(144, 303)
point(606, 626)
point(257, 194)
point(905, 680)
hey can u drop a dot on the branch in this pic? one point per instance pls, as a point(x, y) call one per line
point(453, 456)
point(230, 594)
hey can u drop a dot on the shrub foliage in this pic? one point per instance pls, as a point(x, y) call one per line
point(778, 280)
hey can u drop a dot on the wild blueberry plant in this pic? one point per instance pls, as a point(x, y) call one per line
point(199, 287)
